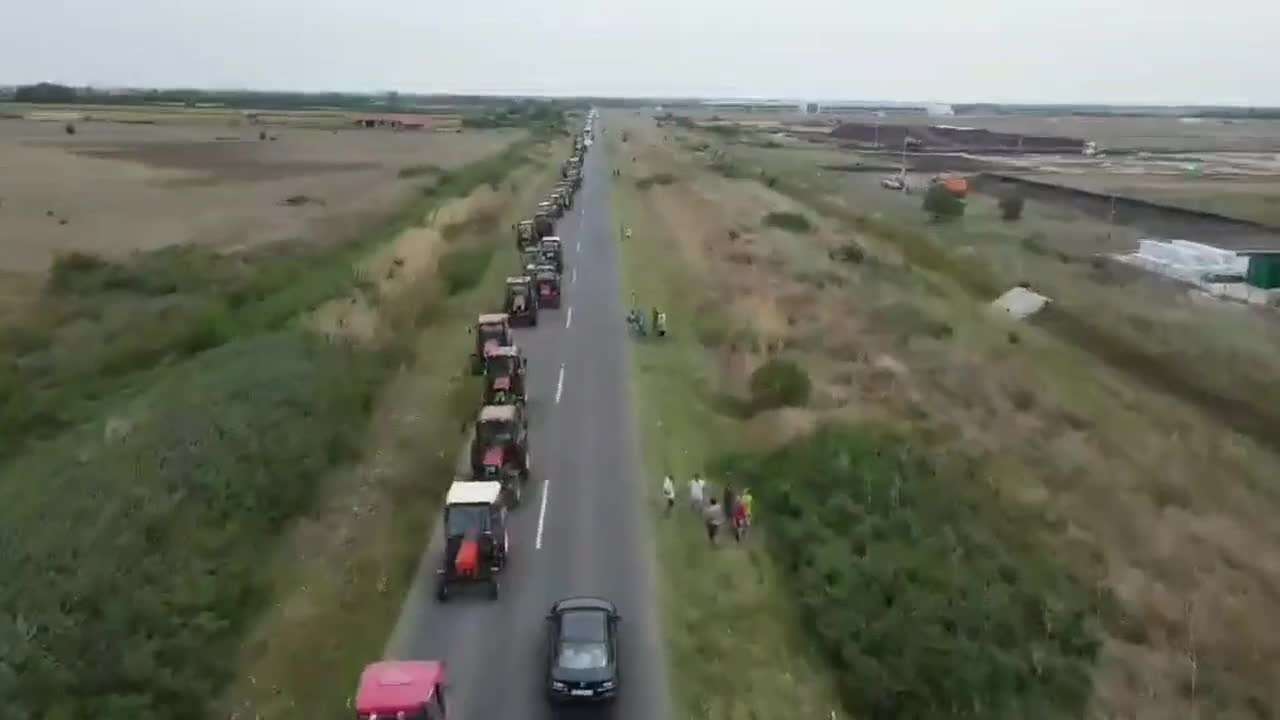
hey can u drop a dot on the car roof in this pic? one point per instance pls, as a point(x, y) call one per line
point(473, 492)
point(499, 413)
point(489, 318)
point(393, 686)
point(584, 625)
point(583, 602)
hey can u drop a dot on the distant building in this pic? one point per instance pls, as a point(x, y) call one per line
point(407, 121)
point(753, 106)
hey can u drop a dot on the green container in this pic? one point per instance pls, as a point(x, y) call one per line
point(1264, 271)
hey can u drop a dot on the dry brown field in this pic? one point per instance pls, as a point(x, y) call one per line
point(112, 188)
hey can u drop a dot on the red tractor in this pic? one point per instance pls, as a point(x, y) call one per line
point(406, 689)
point(505, 373)
point(505, 427)
point(492, 331)
point(547, 282)
point(475, 537)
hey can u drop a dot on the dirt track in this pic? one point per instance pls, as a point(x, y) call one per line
point(113, 188)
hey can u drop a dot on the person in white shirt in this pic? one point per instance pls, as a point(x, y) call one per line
point(697, 492)
point(668, 493)
point(714, 518)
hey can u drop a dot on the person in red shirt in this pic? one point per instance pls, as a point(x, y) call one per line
point(741, 519)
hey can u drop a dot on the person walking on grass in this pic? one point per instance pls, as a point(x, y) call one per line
point(697, 492)
point(741, 518)
point(729, 499)
point(668, 494)
point(713, 516)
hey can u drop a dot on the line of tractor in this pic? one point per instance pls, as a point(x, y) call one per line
point(477, 502)
point(476, 506)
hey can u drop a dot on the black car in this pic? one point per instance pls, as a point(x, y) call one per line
point(582, 655)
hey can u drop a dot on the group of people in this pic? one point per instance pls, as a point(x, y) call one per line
point(732, 508)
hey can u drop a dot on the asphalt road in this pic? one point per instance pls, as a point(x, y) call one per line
point(581, 528)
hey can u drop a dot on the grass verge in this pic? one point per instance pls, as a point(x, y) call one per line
point(727, 616)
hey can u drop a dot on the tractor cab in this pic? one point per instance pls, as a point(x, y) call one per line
point(542, 224)
point(565, 188)
point(521, 303)
point(529, 259)
point(475, 537)
point(505, 427)
point(525, 234)
point(492, 330)
point(408, 689)
point(551, 252)
point(505, 376)
point(556, 201)
point(547, 282)
point(497, 465)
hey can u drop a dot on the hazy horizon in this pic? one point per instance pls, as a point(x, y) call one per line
point(1131, 52)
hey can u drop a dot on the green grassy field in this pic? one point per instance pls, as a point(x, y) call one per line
point(1040, 451)
point(729, 621)
point(175, 420)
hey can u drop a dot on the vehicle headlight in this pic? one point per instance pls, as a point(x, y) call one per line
point(607, 684)
point(557, 685)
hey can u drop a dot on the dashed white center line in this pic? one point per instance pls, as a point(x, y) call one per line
point(578, 247)
point(574, 278)
point(542, 513)
point(568, 318)
point(560, 384)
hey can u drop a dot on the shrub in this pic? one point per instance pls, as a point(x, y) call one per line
point(658, 179)
point(779, 383)
point(134, 564)
point(70, 129)
point(413, 171)
point(463, 269)
point(793, 222)
point(941, 204)
point(928, 596)
point(1011, 207)
point(848, 253)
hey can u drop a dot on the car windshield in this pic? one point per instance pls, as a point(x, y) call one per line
point(583, 656)
point(463, 518)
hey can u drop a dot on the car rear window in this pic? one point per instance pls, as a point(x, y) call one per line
point(582, 626)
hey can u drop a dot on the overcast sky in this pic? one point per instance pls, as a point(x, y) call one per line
point(1158, 51)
